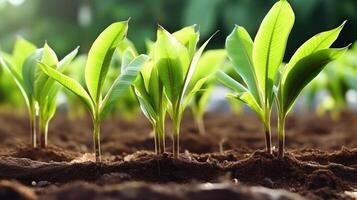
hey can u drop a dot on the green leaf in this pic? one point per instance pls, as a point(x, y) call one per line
point(146, 107)
point(188, 37)
point(100, 56)
point(302, 73)
point(239, 47)
point(192, 69)
point(49, 58)
point(70, 84)
point(247, 98)
point(22, 50)
point(29, 72)
point(122, 83)
point(155, 90)
point(128, 56)
point(230, 82)
point(269, 46)
point(172, 61)
point(18, 80)
point(190, 94)
point(50, 89)
point(319, 42)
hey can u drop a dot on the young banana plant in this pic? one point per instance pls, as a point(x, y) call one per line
point(176, 59)
point(38, 90)
point(150, 94)
point(97, 66)
point(307, 62)
point(212, 59)
point(259, 64)
point(13, 64)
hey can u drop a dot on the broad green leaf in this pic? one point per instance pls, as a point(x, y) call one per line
point(124, 45)
point(269, 46)
point(172, 61)
point(22, 50)
point(122, 83)
point(192, 69)
point(146, 107)
point(248, 99)
point(239, 47)
point(29, 72)
point(211, 60)
point(230, 82)
point(100, 56)
point(49, 58)
point(69, 83)
point(51, 86)
point(190, 94)
point(189, 37)
point(127, 57)
point(302, 73)
point(18, 80)
point(320, 41)
point(65, 62)
point(155, 90)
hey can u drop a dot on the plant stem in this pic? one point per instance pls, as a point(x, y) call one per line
point(156, 139)
point(176, 134)
point(267, 131)
point(96, 140)
point(43, 134)
point(200, 125)
point(159, 137)
point(268, 140)
point(281, 136)
point(33, 129)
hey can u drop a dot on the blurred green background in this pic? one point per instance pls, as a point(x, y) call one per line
point(68, 23)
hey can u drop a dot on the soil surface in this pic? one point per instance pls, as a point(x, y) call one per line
point(228, 162)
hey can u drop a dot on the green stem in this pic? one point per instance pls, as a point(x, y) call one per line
point(268, 140)
point(281, 136)
point(160, 140)
point(156, 139)
point(43, 134)
point(200, 125)
point(267, 131)
point(96, 140)
point(176, 134)
point(33, 130)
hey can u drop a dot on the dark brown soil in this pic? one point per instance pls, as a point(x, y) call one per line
point(321, 162)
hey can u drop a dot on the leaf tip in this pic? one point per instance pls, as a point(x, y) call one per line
point(128, 20)
point(343, 23)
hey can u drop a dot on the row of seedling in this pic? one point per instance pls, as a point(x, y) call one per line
point(174, 74)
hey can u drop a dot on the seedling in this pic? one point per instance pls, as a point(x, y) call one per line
point(176, 59)
point(97, 66)
point(150, 94)
point(258, 64)
point(38, 90)
point(212, 59)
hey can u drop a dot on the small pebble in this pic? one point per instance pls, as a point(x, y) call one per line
point(235, 181)
point(33, 183)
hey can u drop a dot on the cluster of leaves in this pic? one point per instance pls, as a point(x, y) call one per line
point(265, 77)
point(127, 107)
point(170, 80)
point(337, 80)
point(96, 71)
point(38, 90)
